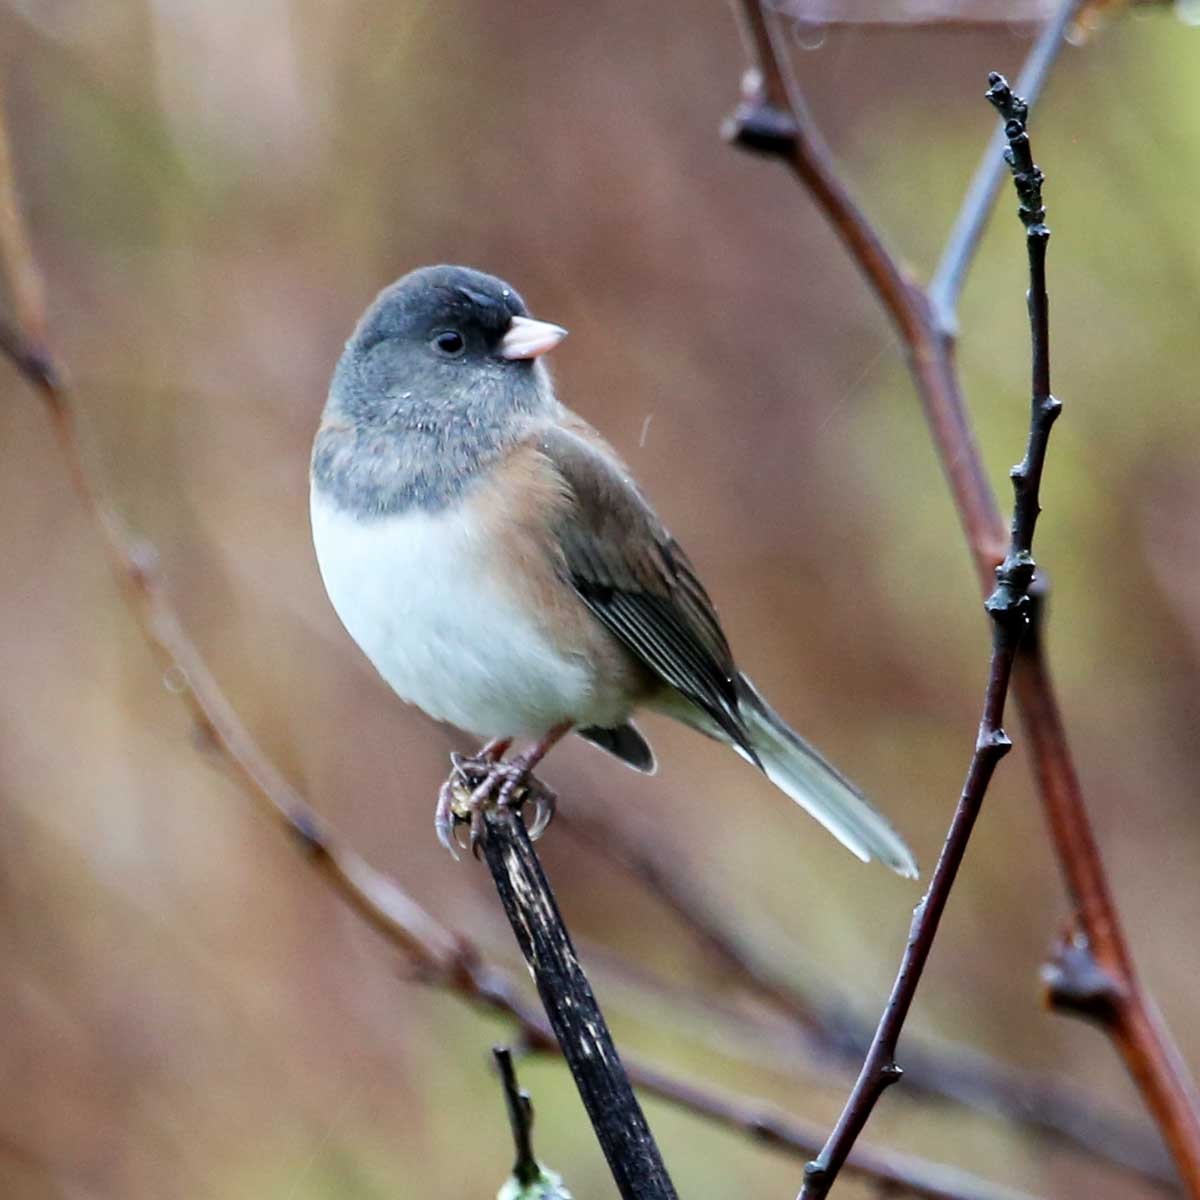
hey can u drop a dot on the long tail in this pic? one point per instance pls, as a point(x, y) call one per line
point(790, 763)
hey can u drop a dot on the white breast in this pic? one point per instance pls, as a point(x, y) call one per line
point(414, 593)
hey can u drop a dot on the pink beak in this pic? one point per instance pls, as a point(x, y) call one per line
point(527, 338)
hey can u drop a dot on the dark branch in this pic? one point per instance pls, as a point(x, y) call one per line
point(1008, 607)
point(947, 283)
point(1090, 975)
point(578, 1024)
point(529, 1179)
point(520, 1118)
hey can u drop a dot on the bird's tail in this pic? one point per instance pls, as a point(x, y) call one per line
point(790, 763)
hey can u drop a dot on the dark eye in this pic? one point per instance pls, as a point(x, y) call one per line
point(449, 342)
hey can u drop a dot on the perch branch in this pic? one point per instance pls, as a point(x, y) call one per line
point(772, 106)
point(438, 957)
point(582, 1033)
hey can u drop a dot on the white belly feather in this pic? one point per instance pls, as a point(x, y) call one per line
point(413, 592)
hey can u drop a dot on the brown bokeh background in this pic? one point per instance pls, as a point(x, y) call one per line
point(215, 192)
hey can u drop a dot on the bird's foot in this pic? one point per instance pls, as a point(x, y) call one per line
point(468, 770)
point(479, 781)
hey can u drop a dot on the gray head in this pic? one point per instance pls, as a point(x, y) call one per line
point(441, 375)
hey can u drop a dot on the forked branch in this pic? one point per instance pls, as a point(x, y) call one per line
point(772, 120)
point(1008, 606)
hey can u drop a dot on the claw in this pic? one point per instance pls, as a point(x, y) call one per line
point(459, 836)
point(443, 818)
point(543, 813)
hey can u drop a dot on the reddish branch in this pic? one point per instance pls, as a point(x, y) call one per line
point(435, 955)
point(1092, 971)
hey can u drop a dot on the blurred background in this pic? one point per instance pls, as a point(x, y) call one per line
point(215, 192)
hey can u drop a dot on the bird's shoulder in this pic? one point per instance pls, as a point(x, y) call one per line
point(608, 530)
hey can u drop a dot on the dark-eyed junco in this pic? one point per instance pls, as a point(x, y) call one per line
point(491, 555)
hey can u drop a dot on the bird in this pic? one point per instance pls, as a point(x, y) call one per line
point(494, 559)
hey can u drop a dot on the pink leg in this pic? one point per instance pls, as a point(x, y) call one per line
point(524, 763)
point(495, 749)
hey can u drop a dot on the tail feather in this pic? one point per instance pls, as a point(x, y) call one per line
point(790, 763)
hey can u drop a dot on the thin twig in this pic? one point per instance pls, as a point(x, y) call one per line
point(771, 120)
point(1008, 606)
point(525, 1168)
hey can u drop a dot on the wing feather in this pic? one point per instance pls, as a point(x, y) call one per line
point(637, 580)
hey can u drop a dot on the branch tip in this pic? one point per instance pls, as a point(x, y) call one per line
point(520, 1118)
point(1027, 175)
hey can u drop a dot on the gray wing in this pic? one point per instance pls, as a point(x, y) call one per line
point(637, 580)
